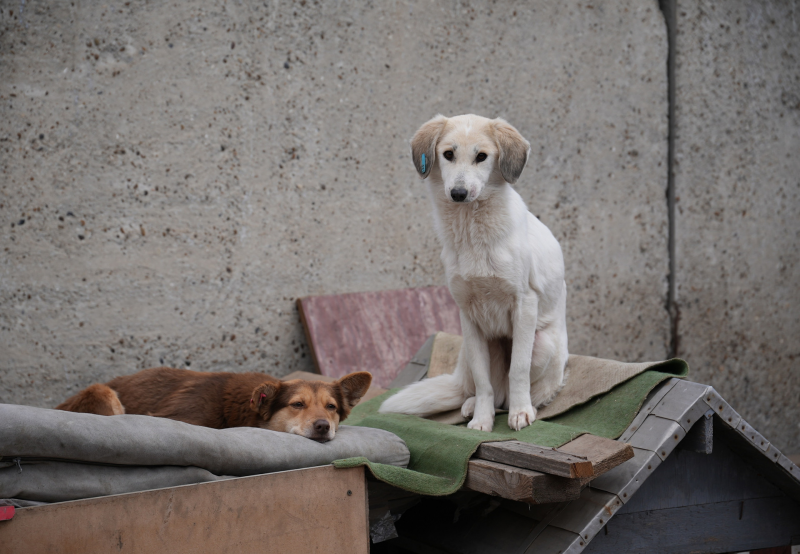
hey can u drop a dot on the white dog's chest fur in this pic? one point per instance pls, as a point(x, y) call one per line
point(486, 270)
point(487, 301)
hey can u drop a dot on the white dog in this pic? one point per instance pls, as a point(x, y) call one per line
point(504, 269)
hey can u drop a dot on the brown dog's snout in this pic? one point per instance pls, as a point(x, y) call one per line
point(321, 426)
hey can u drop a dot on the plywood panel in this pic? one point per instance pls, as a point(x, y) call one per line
point(686, 478)
point(734, 526)
point(311, 510)
point(377, 332)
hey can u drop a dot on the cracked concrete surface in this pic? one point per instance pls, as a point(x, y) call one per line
point(174, 177)
point(737, 189)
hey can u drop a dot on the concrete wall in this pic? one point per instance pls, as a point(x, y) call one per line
point(737, 187)
point(173, 177)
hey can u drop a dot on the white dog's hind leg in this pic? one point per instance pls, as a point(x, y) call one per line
point(468, 408)
point(500, 358)
point(544, 390)
point(547, 368)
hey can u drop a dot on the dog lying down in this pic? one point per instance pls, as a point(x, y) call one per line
point(504, 269)
point(311, 409)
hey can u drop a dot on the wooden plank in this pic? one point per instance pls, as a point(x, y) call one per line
point(310, 510)
point(604, 454)
point(717, 527)
point(514, 483)
point(377, 332)
point(537, 458)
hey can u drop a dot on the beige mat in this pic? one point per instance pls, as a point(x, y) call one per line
point(587, 377)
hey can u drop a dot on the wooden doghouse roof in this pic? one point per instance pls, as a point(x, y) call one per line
point(701, 480)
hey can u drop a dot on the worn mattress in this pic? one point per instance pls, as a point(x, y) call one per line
point(51, 455)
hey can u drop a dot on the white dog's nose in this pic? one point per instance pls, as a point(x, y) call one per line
point(458, 194)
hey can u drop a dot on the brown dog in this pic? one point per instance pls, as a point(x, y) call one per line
point(312, 409)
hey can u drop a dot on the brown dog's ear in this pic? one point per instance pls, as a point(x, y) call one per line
point(261, 400)
point(423, 145)
point(354, 386)
point(513, 149)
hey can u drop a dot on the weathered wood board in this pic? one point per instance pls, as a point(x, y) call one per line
point(536, 458)
point(584, 458)
point(309, 510)
point(604, 454)
point(537, 475)
point(514, 483)
point(377, 332)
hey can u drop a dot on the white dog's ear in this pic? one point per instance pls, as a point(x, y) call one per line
point(423, 145)
point(513, 149)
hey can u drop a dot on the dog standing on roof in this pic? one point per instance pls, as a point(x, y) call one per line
point(504, 269)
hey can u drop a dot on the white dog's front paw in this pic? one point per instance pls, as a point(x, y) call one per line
point(468, 407)
point(481, 424)
point(519, 419)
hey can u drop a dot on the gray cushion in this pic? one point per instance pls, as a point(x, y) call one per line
point(38, 434)
point(61, 481)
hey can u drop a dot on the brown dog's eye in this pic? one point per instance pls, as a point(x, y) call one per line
point(480, 157)
point(297, 405)
point(448, 155)
point(331, 407)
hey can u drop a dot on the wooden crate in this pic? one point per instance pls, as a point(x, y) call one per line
point(318, 509)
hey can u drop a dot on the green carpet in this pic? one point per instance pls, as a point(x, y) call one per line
point(440, 453)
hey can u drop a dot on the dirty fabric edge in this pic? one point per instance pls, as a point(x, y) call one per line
point(440, 453)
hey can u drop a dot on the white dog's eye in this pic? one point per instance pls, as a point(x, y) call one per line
point(480, 157)
point(448, 155)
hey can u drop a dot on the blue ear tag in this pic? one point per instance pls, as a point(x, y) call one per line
point(423, 163)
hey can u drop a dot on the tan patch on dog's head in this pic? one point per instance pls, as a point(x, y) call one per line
point(471, 152)
point(311, 409)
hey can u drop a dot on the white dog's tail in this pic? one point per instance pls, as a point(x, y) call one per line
point(427, 397)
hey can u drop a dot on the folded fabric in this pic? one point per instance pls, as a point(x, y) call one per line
point(61, 481)
point(29, 434)
point(440, 452)
point(586, 377)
